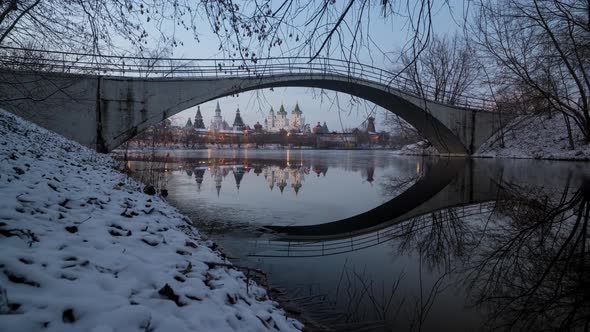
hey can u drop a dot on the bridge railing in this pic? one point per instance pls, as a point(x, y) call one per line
point(129, 66)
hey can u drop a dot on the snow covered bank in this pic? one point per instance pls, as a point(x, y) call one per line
point(83, 249)
point(538, 137)
point(422, 148)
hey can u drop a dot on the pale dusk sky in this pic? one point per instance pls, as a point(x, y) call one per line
point(389, 36)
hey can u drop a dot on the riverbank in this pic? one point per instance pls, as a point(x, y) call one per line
point(526, 137)
point(537, 137)
point(179, 146)
point(85, 249)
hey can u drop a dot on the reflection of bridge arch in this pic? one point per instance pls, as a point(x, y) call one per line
point(389, 232)
point(75, 97)
point(446, 183)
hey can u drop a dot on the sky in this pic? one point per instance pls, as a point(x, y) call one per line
point(388, 36)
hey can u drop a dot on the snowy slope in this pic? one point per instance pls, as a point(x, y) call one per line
point(537, 137)
point(84, 250)
point(421, 148)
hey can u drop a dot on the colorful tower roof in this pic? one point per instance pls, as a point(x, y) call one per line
point(199, 124)
point(282, 110)
point(238, 122)
point(297, 110)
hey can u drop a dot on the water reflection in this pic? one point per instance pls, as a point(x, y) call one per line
point(521, 255)
point(283, 187)
point(457, 244)
point(531, 270)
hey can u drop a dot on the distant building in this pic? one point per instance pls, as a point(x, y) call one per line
point(238, 122)
point(297, 120)
point(269, 122)
point(199, 124)
point(279, 121)
point(371, 125)
point(189, 123)
point(217, 121)
point(337, 140)
point(318, 129)
point(306, 129)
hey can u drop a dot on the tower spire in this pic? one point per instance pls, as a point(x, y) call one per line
point(238, 122)
point(199, 124)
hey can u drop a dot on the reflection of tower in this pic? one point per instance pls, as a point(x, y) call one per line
point(199, 173)
point(238, 175)
point(320, 169)
point(269, 176)
point(370, 173)
point(296, 179)
point(282, 176)
point(217, 178)
point(257, 170)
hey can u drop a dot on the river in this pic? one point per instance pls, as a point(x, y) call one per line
point(366, 240)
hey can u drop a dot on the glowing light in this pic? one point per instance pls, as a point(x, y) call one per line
point(418, 168)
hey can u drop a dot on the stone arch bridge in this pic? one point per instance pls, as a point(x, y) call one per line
point(102, 101)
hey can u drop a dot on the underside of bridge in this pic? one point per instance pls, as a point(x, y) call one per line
point(104, 112)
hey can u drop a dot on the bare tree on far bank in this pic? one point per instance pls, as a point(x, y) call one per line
point(538, 53)
point(446, 70)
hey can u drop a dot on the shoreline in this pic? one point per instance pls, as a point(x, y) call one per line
point(582, 158)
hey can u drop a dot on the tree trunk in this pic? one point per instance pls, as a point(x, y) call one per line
point(569, 132)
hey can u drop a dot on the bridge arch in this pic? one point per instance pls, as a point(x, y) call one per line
point(450, 129)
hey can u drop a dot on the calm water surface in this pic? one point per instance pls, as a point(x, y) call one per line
point(365, 240)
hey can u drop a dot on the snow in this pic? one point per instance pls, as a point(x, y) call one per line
point(526, 137)
point(539, 137)
point(83, 249)
point(421, 148)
